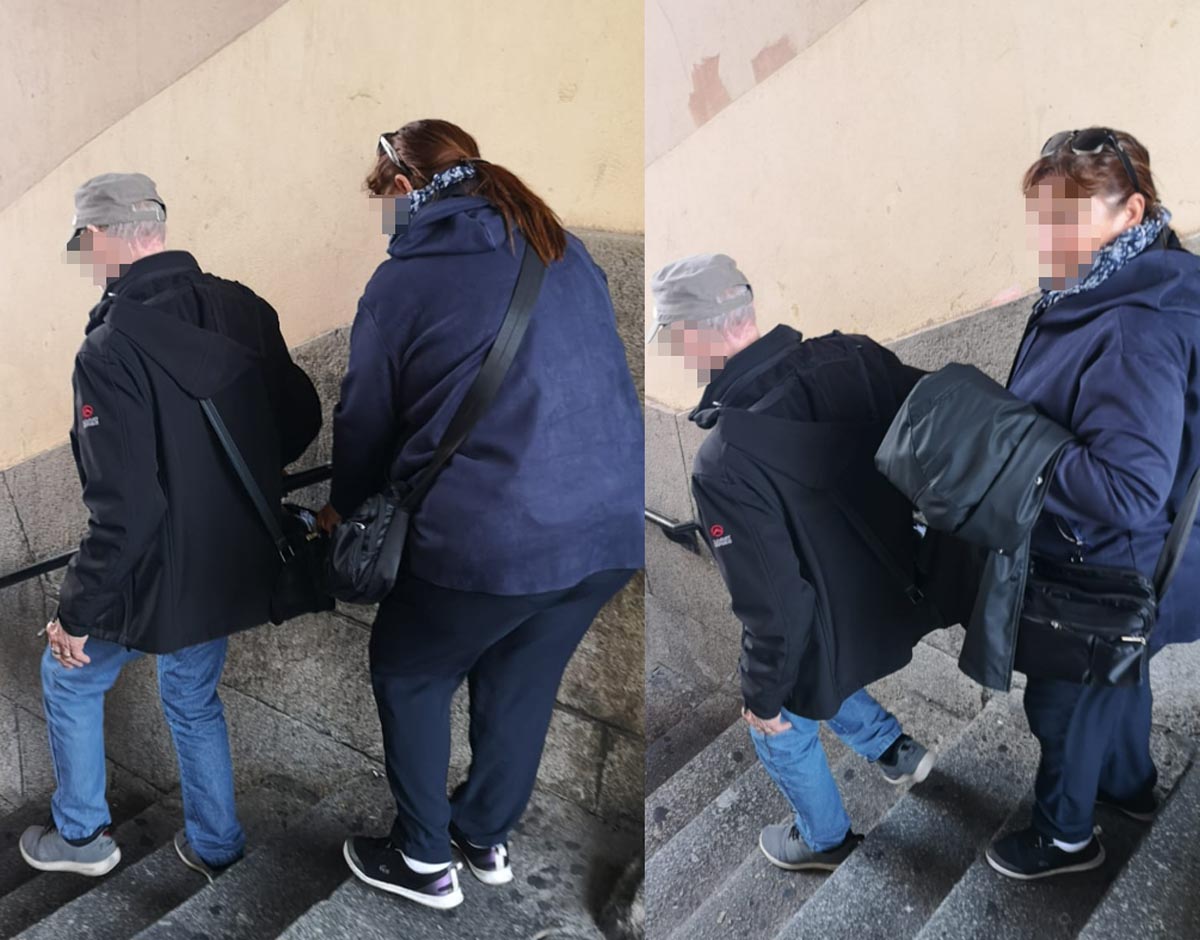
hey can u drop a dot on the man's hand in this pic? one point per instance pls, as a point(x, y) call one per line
point(328, 519)
point(766, 725)
point(66, 649)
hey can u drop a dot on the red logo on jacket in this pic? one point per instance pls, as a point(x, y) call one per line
point(717, 531)
point(89, 411)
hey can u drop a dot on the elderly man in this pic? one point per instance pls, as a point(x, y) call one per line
point(174, 559)
point(816, 548)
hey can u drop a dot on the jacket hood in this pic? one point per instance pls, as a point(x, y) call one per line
point(452, 225)
point(740, 385)
point(1162, 279)
point(202, 362)
point(812, 453)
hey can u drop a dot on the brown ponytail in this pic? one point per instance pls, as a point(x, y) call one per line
point(427, 147)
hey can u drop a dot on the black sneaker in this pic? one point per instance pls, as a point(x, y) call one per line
point(381, 865)
point(1143, 808)
point(905, 760)
point(489, 863)
point(192, 859)
point(1028, 855)
point(785, 848)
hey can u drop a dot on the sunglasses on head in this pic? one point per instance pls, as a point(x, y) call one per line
point(1091, 141)
point(385, 147)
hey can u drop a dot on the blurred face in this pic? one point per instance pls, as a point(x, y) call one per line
point(389, 203)
point(703, 349)
point(1067, 230)
point(103, 257)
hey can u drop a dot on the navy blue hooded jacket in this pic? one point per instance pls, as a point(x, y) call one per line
point(547, 488)
point(1119, 365)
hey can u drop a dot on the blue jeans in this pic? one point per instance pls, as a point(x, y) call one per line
point(795, 760)
point(187, 683)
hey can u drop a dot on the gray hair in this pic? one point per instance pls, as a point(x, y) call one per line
point(732, 321)
point(141, 232)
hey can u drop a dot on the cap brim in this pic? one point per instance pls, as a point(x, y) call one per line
point(653, 332)
point(74, 243)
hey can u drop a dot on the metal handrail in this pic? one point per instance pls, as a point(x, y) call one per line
point(681, 533)
point(291, 483)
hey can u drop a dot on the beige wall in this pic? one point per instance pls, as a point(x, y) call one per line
point(871, 182)
point(79, 67)
point(259, 146)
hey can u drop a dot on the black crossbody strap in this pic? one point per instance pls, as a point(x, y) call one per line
point(1181, 529)
point(270, 520)
point(491, 375)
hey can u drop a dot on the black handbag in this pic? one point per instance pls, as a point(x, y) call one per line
point(366, 548)
point(301, 545)
point(1092, 624)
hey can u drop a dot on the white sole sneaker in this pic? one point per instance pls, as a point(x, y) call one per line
point(489, 876)
point(493, 877)
point(90, 869)
point(917, 776)
point(1065, 870)
point(441, 903)
point(792, 866)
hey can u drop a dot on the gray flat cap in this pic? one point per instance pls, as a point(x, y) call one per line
point(109, 199)
point(689, 289)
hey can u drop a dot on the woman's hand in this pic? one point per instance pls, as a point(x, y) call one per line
point(328, 519)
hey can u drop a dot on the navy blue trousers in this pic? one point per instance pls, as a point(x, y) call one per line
point(512, 651)
point(1094, 739)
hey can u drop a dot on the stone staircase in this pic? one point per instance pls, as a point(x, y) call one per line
point(921, 871)
point(294, 882)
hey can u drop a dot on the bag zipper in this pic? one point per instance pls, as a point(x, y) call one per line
point(1060, 626)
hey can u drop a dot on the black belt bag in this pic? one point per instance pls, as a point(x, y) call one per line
point(367, 547)
point(1092, 624)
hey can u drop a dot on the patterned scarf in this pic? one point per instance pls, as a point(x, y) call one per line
point(439, 184)
point(1111, 258)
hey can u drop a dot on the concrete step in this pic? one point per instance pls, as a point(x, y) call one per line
point(912, 860)
point(700, 781)
point(756, 898)
point(565, 861)
point(933, 674)
point(135, 896)
point(1156, 895)
point(284, 876)
point(46, 892)
point(985, 903)
point(682, 720)
point(127, 796)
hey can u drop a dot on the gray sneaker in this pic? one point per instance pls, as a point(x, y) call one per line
point(784, 848)
point(45, 849)
point(905, 760)
point(192, 859)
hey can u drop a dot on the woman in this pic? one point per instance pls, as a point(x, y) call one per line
point(531, 527)
point(1112, 352)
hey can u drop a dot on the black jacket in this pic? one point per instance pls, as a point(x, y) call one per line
point(816, 547)
point(174, 554)
point(977, 461)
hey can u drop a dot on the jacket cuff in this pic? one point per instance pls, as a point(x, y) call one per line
point(73, 631)
point(763, 710)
